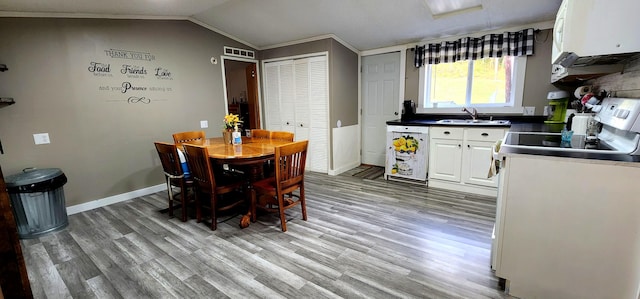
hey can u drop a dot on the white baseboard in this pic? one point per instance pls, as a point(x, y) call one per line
point(114, 199)
point(344, 168)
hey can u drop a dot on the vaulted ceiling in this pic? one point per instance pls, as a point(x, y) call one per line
point(363, 24)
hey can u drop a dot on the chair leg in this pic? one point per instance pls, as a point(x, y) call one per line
point(183, 200)
point(170, 192)
point(252, 205)
point(214, 218)
point(303, 203)
point(198, 207)
point(283, 221)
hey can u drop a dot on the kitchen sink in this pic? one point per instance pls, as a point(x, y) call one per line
point(471, 122)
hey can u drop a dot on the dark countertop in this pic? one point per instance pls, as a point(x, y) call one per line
point(579, 155)
point(518, 124)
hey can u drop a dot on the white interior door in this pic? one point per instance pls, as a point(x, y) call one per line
point(380, 103)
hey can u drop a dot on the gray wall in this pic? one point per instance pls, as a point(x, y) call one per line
point(343, 76)
point(537, 77)
point(537, 80)
point(103, 143)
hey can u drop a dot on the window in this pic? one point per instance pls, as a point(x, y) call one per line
point(488, 82)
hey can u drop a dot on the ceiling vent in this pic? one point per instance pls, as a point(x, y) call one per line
point(230, 51)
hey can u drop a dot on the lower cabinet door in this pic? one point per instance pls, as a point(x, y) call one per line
point(445, 156)
point(476, 161)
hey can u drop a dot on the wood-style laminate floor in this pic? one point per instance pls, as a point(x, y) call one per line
point(363, 239)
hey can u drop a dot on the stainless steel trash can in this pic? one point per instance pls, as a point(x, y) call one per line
point(37, 200)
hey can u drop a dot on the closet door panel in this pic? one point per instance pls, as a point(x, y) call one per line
point(318, 153)
point(272, 97)
point(302, 112)
point(287, 96)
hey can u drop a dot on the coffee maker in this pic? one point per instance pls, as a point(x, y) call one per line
point(558, 101)
point(408, 110)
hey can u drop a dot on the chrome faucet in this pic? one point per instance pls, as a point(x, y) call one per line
point(473, 114)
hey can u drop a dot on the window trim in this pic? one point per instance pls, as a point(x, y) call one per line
point(520, 66)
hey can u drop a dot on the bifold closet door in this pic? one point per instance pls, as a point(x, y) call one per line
point(296, 100)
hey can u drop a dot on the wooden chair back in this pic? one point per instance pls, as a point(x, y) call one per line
point(260, 134)
point(170, 160)
point(200, 167)
point(168, 154)
point(282, 135)
point(290, 160)
point(202, 173)
point(183, 137)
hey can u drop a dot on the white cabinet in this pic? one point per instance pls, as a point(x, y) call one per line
point(559, 235)
point(297, 100)
point(445, 153)
point(460, 158)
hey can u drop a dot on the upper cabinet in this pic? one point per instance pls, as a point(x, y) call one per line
point(593, 38)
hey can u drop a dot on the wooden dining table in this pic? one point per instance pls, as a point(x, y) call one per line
point(248, 156)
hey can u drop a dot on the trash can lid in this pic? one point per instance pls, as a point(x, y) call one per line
point(31, 176)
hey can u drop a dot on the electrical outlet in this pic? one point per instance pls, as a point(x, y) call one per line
point(529, 111)
point(546, 111)
point(204, 124)
point(41, 138)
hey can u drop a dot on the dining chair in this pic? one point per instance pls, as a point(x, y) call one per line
point(222, 191)
point(290, 160)
point(183, 137)
point(175, 177)
point(260, 134)
point(281, 135)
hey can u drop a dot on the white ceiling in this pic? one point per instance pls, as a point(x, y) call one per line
point(363, 24)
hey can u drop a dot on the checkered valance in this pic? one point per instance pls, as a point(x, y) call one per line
point(491, 45)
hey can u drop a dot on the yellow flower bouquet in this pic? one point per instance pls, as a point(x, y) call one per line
point(231, 121)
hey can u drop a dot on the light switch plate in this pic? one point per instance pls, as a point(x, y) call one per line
point(204, 124)
point(529, 111)
point(41, 138)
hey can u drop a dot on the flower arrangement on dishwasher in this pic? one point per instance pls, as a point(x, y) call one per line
point(405, 148)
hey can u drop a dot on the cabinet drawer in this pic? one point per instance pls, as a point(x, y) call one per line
point(446, 132)
point(484, 134)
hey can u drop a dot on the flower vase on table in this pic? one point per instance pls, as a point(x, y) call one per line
point(231, 122)
point(226, 136)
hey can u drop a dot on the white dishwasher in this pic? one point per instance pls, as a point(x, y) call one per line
point(407, 155)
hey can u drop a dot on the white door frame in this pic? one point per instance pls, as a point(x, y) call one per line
point(224, 82)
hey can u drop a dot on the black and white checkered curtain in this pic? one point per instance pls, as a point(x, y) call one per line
point(491, 45)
